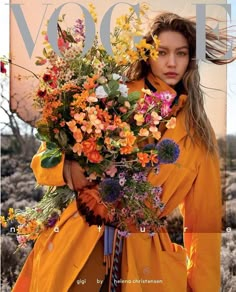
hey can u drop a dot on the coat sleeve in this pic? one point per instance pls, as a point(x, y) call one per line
point(202, 211)
point(47, 176)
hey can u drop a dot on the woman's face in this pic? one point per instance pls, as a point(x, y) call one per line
point(173, 58)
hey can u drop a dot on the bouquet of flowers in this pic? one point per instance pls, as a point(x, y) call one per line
point(89, 116)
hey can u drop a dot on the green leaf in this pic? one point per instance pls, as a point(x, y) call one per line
point(70, 38)
point(122, 99)
point(113, 85)
point(134, 96)
point(51, 157)
point(45, 53)
point(51, 145)
point(106, 89)
point(62, 138)
point(42, 135)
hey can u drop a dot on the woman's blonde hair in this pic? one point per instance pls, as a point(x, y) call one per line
point(216, 47)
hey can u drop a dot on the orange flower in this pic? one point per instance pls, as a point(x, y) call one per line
point(153, 129)
point(171, 123)
point(156, 118)
point(143, 158)
point(21, 219)
point(77, 134)
point(77, 148)
point(117, 121)
point(89, 145)
point(153, 158)
point(130, 138)
point(3, 221)
point(156, 135)
point(11, 214)
point(143, 132)
point(79, 117)
point(72, 125)
point(126, 150)
point(94, 156)
point(90, 83)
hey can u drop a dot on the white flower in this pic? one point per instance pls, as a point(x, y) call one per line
point(100, 92)
point(116, 76)
point(123, 89)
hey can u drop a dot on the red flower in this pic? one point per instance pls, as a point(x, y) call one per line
point(41, 93)
point(47, 77)
point(3, 69)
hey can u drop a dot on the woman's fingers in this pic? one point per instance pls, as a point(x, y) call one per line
point(74, 175)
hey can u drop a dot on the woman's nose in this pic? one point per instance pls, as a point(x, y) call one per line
point(171, 60)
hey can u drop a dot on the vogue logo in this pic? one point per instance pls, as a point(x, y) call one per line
point(105, 28)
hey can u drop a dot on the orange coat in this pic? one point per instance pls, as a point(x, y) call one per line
point(193, 185)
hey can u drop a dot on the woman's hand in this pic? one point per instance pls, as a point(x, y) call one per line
point(74, 176)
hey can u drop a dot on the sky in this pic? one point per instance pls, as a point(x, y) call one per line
point(231, 68)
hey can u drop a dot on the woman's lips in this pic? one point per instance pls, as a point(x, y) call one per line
point(171, 74)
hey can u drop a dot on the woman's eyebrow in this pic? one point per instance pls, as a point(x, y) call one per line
point(179, 48)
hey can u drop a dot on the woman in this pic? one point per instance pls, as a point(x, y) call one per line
point(71, 259)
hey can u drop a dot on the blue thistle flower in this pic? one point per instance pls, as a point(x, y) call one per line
point(110, 190)
point(149, 147)
point(168, 151)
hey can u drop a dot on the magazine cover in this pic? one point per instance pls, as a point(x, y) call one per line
point(118, 145)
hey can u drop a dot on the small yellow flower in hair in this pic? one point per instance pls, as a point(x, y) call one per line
point(154, 54)
point(143, 44)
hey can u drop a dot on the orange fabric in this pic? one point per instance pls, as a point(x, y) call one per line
point(193, 184)
point(47, 176)
point(59, 254)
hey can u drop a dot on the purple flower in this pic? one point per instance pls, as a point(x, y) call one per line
point(168, 151)
point(157, 191)
point(121, 175)
point(52, 220)
point(135, 177)
point(122, 181)
point(110, 190)
point(123, 233)
point(79, 29)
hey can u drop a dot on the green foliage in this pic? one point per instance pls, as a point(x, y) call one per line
point(52, 155)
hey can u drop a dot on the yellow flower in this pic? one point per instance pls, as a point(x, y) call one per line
point(143, 45)
point(3, 221)
point(11, 214)
point(146, 91)
point(92, 12)
point(21, 219)
point(139, 119)
point(154, 54)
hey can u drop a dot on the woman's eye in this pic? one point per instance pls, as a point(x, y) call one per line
point(182, 53)
point(162, 53)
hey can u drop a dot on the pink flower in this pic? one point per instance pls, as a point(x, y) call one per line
point(111, 171)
